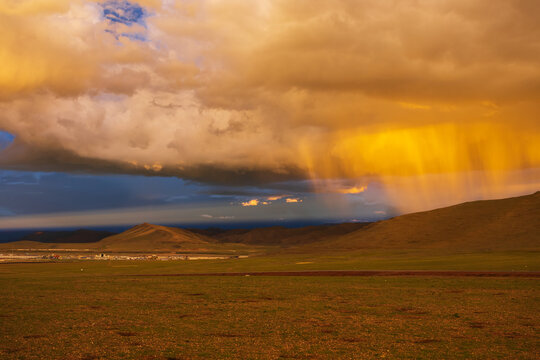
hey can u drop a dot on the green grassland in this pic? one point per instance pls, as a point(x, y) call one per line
point(96, 310)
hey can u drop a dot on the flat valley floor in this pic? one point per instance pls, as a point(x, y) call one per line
point(101, 310)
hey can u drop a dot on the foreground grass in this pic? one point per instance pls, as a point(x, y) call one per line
point(58, 311)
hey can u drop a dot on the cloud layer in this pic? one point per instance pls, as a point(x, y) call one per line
point(248, 92)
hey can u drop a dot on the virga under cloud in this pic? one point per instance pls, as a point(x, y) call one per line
point(416, 95)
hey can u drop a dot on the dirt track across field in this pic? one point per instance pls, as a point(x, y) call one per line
point(445, 273)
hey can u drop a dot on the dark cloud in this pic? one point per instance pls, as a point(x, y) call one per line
point(22, 157)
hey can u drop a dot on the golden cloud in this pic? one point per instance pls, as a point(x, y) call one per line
point(293, 200)
point(274, 198)
point(252, 202)
point(399, 93)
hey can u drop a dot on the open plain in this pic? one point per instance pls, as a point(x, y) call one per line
point(106, 310)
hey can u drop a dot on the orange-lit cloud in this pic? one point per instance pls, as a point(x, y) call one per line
point(353, 190)
point(252, 202)
point(418, 96)
point(293, 200)
point(274, 198)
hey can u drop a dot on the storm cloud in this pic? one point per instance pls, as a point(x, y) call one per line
point(416, 95)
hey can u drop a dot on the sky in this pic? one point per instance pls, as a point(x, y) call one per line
point(222, 111)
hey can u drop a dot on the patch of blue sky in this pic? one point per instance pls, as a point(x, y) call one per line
point(124, 12)
point(5, 139)
point(125, 19)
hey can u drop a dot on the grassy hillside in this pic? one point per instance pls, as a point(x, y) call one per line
point(492, 225)
point(148, 236)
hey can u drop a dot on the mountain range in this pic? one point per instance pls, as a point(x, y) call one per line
point(488, 225)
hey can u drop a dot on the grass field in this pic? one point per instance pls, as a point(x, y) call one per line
point(55, 310)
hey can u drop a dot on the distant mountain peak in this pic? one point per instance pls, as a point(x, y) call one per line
point(145, 226)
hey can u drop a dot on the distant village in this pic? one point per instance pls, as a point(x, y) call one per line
point(21, 257)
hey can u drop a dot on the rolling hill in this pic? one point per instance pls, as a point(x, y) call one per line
point(155, 237)
point(488, 225)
